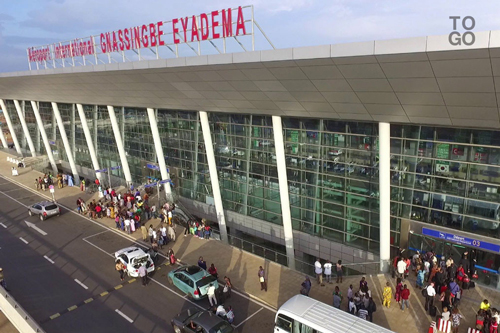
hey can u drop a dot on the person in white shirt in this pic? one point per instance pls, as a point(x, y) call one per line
point(318, 269)
point(127, 225)
point(401, 269)
point(211, 295)
point(221, 312)
point(328, 271)
point(431, 293)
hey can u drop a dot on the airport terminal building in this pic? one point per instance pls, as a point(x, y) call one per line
point(341, 151)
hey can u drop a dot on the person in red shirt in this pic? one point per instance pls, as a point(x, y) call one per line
point(460, 274)
point(405, 297)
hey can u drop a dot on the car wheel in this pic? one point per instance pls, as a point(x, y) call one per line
point(177, 329)
point(30, 213)
point(41, 217)
point(170, 281)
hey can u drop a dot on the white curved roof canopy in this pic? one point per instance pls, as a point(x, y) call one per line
point(423, 80)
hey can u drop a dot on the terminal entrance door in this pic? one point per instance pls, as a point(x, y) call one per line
point(487, 263)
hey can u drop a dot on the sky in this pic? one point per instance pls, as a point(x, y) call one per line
point(288, 23)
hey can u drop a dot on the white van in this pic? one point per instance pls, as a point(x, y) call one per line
point(302, 314)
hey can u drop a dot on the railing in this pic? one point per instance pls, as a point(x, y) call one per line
point(350, 269)
point(17, 315)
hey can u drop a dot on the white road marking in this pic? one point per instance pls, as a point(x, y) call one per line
point(247, 318)
point(24, 240)
point(19, 202)
point(15, 189)
point(33, 226)
point(3, 225)
point(250, 298)
point(97, 247)
point(124, 316)
point(49, 260)
point(95, 234)
point(81, 284)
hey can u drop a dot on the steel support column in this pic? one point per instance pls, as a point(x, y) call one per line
point(88, 138)
point(384, 132)
point(11, 128)
point(45, 139)
point(214, 178)
point(283, 186)
point(119, 144)
point(159, 153)
point(20, 114)
point(66, 144)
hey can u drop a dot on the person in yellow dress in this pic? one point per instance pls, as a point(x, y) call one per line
point(387, 294)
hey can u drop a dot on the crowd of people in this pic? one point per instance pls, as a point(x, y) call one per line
point(61, 180)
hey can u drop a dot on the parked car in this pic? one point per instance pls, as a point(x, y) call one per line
point(192, 280)
point(203, 321)
point(44, 210)
point(132, 258)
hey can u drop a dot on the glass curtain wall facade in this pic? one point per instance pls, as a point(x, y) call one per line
point(447, 176)
point(16, 124)
point(246, 164)
point(33, 129)
point(138, 141)
point(106, 149)
point(82, 154)
point(50, 124)
point(441, 176)
point(184, 153)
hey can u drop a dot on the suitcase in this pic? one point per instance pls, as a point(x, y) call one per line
point(472, 285)
point(444, 326)
point(465, 285)
point(433, 311)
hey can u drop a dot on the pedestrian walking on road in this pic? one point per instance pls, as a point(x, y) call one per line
point(144, 232)
point(213, 271)
point(211, 295)
point(318, 269)
point(262, 279)
point(151, 232)
point(119, 268)
point(171, 233)
point(405, 298)
point(328, 271)
point(340, 273)
point(387, 294)
point(226, 291)
point(144, 275)
point(306, 286)
point(171, 256)
point(202, 263)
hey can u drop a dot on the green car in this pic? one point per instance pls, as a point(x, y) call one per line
point(192, 280)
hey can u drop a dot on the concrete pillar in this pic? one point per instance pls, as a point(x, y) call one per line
point(66, 144)
point(11, 128)
point(384, 132)
point(45, 139)
point(283, 185)
point(119, 144)
point(27, 135)
point(88, 138)
point(159, 152)
point(214, 178)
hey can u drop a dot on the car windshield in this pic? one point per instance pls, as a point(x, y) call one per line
point(50, 207)
point(206, 280)
point(222, 327)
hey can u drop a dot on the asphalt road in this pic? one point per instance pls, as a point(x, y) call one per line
point(66, 279)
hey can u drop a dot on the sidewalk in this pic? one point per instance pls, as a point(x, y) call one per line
point(283, 283)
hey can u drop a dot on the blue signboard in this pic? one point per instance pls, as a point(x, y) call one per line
point(52, 143)
point(150, 185)
point(165, 181)
point(461, 240)
point(153, 167)
point(116, 167)
point(101, 170)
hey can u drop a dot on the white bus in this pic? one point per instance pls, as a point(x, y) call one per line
point(301, 314)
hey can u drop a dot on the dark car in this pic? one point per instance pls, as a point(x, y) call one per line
point(202, 320)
